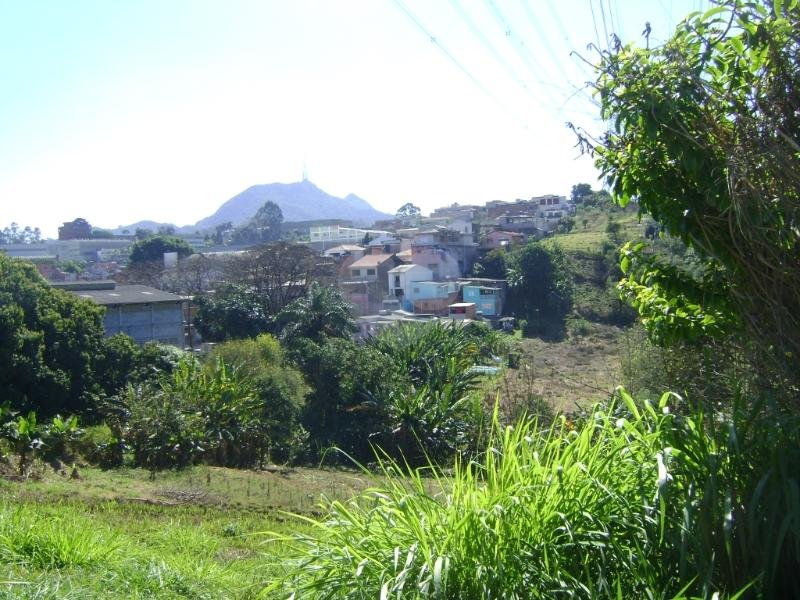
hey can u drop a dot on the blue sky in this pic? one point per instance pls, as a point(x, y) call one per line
point(121, 110)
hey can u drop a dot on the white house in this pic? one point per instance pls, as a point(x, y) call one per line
point(401, 277)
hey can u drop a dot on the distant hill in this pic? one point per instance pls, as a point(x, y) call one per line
point(151, 225)
point(301, 201)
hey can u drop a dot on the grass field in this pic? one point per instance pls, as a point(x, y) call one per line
point(197, 533)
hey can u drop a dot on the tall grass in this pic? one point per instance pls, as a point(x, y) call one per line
point(632, 502)
point(50, 543)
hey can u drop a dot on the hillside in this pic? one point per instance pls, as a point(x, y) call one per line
point(301, 201)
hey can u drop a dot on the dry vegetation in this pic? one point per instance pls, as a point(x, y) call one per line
point(555, 377)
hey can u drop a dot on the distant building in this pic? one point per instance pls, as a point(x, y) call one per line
point(144, 313)
point(79, 229)
point(431, 297)
point(499, 239)
point(402, 277)
point(462, 310)
point(326, 236)
point(366, 284)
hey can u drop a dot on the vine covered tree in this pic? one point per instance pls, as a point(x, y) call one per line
point(705, 136)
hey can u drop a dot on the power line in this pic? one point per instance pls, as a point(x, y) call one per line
point(457, 63)
point(535, 24)
point(531, 61)
point(484, 40)
point(603, 16)
point(594, 22)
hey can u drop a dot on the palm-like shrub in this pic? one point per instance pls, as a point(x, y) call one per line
point(322, 312)
point(436, 416)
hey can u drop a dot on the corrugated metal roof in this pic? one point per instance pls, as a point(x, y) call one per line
point(370, 260)
point(128, 294)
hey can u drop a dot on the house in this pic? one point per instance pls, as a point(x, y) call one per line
point(323, 236)
point(528, 225)
point(499, 239)
point(144, 313)
point(337, 252)
point(402, 276)
point(487, 300)
point(462, 310)
point(366, 283)
point(431, 296)
point(373, 267)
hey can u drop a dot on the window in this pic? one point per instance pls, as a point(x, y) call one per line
point(370, 271)
point(486, 292)
point(356, 272)
point(397, 281)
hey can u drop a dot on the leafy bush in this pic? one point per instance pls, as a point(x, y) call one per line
point(351, 387)
point(49, 343)
point(161, 430)
point(100, 446)
point(228, 415)
point(275, 431)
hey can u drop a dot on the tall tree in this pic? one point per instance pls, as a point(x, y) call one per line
point(49, 343)
point(408, 210)
point(323, 312)
point(580, 191)
point(541, 288)
point(264, 227)
point(12, 234)
point(260, 283)
point(705, 135)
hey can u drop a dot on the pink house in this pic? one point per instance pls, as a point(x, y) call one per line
point(497, 239)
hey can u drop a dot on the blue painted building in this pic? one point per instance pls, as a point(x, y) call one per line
point(487, 300)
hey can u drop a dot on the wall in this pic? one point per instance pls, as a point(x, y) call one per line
point(162, 322)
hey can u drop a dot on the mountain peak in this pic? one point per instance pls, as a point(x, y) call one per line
point(299, 201)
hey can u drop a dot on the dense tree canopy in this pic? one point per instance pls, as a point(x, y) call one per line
point(408, 210)
point(264, 227)
point(541, 289)
point(152, 249)
point(49, 343)
point(705, 136)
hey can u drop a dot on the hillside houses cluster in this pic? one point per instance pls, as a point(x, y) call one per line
point(400, 269)
point(419, 265)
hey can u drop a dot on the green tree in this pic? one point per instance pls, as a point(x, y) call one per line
point(408, 210)
point(234, 311)
point(704, 136)
point(541, 287)
point(579, 192)
point(492, 265)
point(322, 312)
point(49, 342)
point(351, 387)
point(152, 249)
point(14, 235)
point(264, 227)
